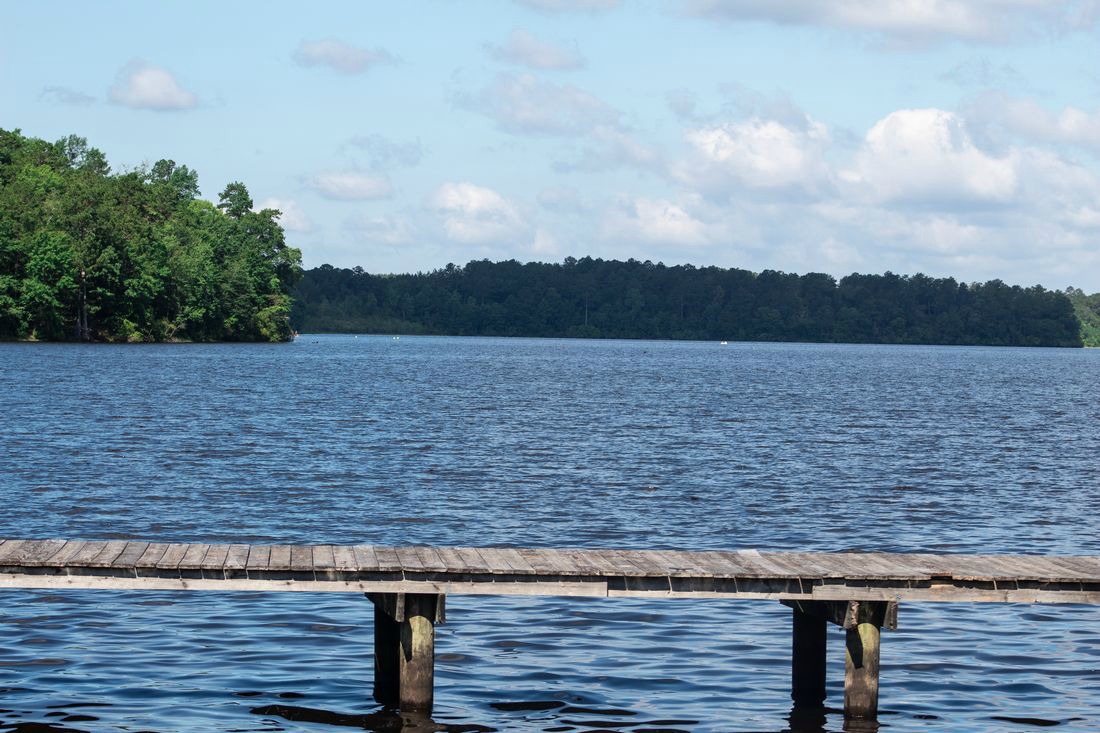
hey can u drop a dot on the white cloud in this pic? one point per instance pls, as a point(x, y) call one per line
point(653, 220)
point(340, 56)
point(526, 104)
point(917, 193)
point(477, 215)
point(144, 86)
point(350, 185)
point(291, 217)
point(927, 157)
point(913, 20)
point(525, 49)
point(1027, 119)
point(756, 154)
point(566, 6)
point(545, 244)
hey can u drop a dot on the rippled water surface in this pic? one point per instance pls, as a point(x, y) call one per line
point(542, 443)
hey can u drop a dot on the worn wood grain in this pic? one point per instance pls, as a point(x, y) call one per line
point(324, 559)
point(388, 560)
point(475, 562)
point(410, 561)
point(259, 558)
point(452, 559)
point(214, 559)
point(172, 556)
point(279, 559)
point(237, 558)
point(128, 558)
point(430, 559)
point(301, 559)
point(666, 573)
point(192, 557)
point(366, 558)
point(343, 557)
point(36, 553)
point(70, 550)
point(153, 554)
point(9, 549)
point(494, 560)
point(106, 557)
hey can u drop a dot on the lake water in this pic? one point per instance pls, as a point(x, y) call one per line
point(338, 439)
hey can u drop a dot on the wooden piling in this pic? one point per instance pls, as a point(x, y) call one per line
point(808, 659)
point(387, 648)
point(861, 657)
point(404, 652)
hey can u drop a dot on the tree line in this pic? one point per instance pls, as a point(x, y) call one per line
point(595, 298)
point(91, 255)
point(1088, 312)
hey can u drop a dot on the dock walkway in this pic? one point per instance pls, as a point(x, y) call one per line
point(408, 585)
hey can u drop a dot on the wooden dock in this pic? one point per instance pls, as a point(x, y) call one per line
point(408, 586)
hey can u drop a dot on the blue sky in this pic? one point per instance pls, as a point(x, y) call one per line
point(947, 137)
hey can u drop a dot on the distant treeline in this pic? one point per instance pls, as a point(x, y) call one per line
point(596, 298)
point(135, 256)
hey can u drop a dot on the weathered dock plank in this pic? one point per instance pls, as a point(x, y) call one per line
point(871, 576)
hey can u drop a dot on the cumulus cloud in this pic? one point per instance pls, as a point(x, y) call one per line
point(525, 49)
point(927, 157)
point(291, 216)
point(525, 104)
point(1026, 119)
point(64, 95)
point(340, 56)
point(565, 6)
point(476, 215)
point(144, 86)
point(655, 221)
point(350, 185)
point(757, 154)
point(912, 20)
point(918, 192)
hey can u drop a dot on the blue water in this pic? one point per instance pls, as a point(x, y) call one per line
point(542, 443)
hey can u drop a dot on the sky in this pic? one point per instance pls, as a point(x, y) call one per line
point(937, 136)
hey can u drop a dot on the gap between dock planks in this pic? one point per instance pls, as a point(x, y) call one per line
point(121, 564)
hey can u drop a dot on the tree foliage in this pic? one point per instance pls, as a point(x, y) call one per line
point(612, 299)
point(135, 256)
point(1088, 312)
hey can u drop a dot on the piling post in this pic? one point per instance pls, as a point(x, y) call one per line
point(808, 659)
point(862, 626)
point(404, 651)
point(387, 649)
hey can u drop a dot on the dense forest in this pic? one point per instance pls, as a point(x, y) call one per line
point(89, 255)
point(1088, 312)
point(612, 299)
